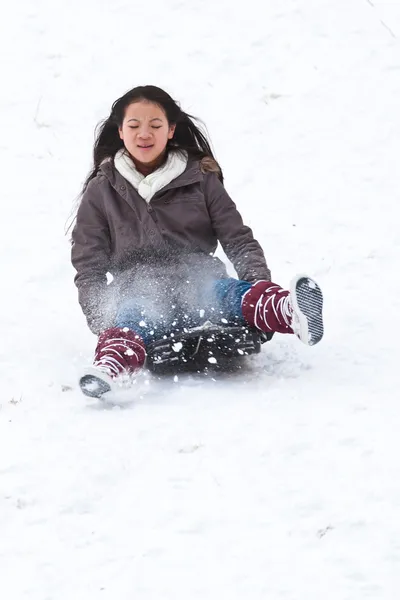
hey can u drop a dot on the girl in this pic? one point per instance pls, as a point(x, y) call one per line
point(151, 214)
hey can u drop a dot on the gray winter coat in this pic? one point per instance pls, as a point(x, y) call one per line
point(165, 244)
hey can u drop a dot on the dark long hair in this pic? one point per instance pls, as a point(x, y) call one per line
point(187, 136)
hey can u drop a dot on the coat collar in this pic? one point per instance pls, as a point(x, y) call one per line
point(148, 186)
point(192, 174)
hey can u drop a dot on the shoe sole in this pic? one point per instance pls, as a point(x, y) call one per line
point(307, 302)
point(93, 386)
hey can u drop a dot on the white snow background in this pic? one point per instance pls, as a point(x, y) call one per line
point(278, 483)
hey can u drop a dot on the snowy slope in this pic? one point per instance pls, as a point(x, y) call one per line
point(280, 483)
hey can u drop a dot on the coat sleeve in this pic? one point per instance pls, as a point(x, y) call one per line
point(90, 256)
point(236, 239)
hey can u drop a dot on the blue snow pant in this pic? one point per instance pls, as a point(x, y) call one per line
point(218, 302)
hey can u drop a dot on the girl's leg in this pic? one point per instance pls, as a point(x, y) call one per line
point(138, 322)
point(227, 298)
point(299, 310)
point(119, 350)
point(122, 348)
point(270, 308)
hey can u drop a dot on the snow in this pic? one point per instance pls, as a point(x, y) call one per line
point(280, 481)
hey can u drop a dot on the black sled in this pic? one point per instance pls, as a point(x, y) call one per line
point(209, 346)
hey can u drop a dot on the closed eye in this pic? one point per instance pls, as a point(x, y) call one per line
point(137, 126)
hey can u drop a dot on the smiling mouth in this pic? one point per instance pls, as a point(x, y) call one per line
point(145, 147)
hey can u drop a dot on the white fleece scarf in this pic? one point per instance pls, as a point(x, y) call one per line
point(147, 186)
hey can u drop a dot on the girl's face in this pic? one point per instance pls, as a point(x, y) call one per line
point(145, 131)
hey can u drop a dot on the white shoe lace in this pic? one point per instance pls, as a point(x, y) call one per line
point(282, 308)
point(285, 307)
point(114, 365)
point(108, 365)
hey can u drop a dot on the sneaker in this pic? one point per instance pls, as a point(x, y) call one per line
point(118, 351)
